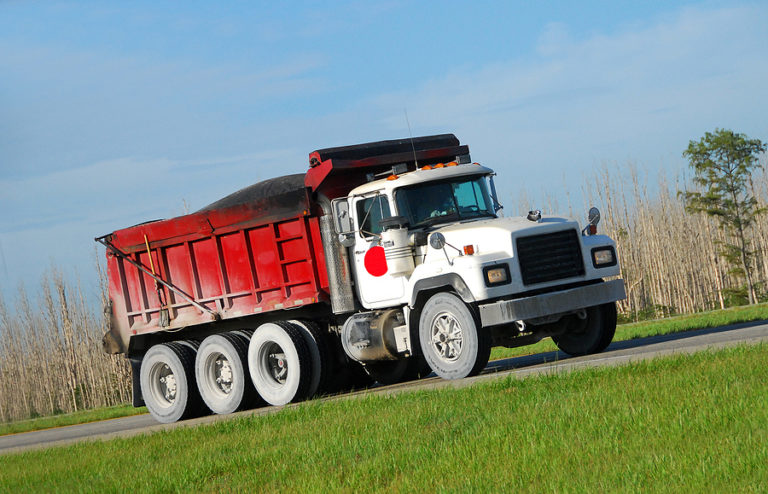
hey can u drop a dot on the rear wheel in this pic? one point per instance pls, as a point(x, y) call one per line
point(319, 354)
point(592, 334)
point(168, 384)
point(451, 340)
point(221, 370)
point(280, 363)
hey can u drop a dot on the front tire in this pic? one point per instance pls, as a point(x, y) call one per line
point(168, 385)
point(452, 342)
point(590, 335)
point(280, 363)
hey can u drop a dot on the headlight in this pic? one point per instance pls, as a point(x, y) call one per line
point(603, 257)
point(496, 275)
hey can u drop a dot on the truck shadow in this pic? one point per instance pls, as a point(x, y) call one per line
point(547, 357)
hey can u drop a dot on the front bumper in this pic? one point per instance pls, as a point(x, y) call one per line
point(547, 304)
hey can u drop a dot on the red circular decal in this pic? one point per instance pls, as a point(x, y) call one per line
point(375, 261)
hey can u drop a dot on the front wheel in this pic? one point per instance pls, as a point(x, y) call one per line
point(453, 343)
point(592, 334)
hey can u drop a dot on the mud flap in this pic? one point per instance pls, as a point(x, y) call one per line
point(138, 398)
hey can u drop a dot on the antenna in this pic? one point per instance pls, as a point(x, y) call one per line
point(415, 161)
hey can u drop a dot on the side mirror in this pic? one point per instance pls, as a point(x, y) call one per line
point(437, 241)
point(342, 220)
point(594, 216)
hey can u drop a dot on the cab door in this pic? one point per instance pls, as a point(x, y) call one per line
point(375, 287)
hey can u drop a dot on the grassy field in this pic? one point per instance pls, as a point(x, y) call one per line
point(623, 332)
point(70, 419)
point(687, 423)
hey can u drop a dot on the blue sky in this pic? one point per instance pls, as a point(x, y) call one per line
point(116, 113)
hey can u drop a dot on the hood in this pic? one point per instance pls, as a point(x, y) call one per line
point(497, 234)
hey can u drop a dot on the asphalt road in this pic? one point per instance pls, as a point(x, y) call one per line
point(618, 353)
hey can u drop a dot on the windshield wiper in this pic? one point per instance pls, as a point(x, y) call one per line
point(477, 214)
point(427, 222)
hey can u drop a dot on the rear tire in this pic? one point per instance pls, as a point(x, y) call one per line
point(280, 363)
point(590, 335)
point(452, 342)
point(221, 370)
point(319, 353)
point(168, 384)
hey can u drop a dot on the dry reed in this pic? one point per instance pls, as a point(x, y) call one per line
point(670, 259)
point(51, 359)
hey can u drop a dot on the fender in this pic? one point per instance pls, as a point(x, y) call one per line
point(450, 279)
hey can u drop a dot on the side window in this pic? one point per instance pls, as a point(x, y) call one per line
point(370, 211)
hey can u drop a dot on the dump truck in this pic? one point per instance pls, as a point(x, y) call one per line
point(388, 259)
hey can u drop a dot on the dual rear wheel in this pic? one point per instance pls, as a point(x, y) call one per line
point(278, 363)
point(168, 382)
point(221, 372)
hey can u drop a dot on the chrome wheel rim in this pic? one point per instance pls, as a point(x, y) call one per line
point(219, 372)
point(273, 363)
point(163, 384)
point(447, 337)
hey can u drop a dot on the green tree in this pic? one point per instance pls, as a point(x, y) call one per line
point(723, 162)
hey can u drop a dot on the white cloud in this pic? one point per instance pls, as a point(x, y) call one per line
point(640, 93)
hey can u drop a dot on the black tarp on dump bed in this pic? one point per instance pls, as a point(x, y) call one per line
point(277, 188)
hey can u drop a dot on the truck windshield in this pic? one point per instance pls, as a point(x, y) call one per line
point(442, 202)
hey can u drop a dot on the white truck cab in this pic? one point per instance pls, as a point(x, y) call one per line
point(432, 261)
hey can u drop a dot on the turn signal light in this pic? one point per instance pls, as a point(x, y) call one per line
point(469, 249)
point(392, 177)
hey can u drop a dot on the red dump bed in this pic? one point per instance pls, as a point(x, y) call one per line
point(256, 251)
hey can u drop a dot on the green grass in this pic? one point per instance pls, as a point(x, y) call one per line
point(643, 329)
point(624, 332)
point(688, 423)
point(69, 419)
